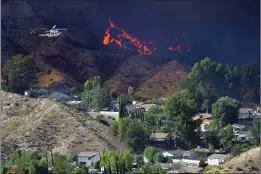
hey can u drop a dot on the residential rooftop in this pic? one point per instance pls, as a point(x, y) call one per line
point(87, 154)
point(218, 156)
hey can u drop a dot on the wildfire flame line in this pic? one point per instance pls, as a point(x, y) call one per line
point(142, 48)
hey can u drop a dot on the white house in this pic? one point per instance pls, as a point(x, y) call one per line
point(205, 124)
point(243, 135)
point(88, 158)
point(217, 159)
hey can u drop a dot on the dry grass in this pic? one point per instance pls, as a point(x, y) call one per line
point(38, 124)
point(46, 79)
point(165, 82)
point(248, 162)
point(148, 81)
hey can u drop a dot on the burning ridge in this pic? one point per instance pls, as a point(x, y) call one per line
point(123, 39)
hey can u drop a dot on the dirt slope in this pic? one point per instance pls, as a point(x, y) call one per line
point(167, 80)
point(39, 124)
point(248, 162)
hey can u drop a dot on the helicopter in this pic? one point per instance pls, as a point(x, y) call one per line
point(50, 33)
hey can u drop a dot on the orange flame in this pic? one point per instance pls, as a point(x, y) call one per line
point(177, 48)
point(142, 47)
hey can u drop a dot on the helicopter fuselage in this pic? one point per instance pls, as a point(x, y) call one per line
point(51, 33)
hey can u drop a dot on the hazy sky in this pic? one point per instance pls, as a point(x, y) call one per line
point(226, 30)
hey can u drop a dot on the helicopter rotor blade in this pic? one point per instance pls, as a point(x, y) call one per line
point(40, 29)
point(61, 29)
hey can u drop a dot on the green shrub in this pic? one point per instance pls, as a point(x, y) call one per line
point(110, 117)
point(33, 94)
point(98, 117)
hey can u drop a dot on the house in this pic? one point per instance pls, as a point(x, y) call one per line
point(165, 166)
point(246, 113)
point(58, 96)
point(88, 158)
point(237, 127)
point(80, 104)
point(114, 106)
point(243, 136)
point(172, 153)
point(146, 106)
point(205, 124)
point(189, 154)
point(257, 112)
point(131, 109)
point(218, 159)
point(62, 87)
point(202, 116)
point(159, 137)
point(245, 121)
point(189, 169)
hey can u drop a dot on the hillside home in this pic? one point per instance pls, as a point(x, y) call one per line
point(80, 104)
point(202, 116)
point(146, 106)
point(257, 112)
point(205, 124)
point(189, 169)
point(243, 136)
point(190, 155)
point(165, 166)
point(237, 127)
point(160, 137)
point(218, 159)
point(173, 153)
point(58, 96)
point(88, 158)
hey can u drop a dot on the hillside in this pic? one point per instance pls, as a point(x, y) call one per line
point(79, 53)
point(167, 80)
point(248, 162)
point(38, 124)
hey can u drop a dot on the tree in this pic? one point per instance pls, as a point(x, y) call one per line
point(73, 91)
point(78, 170)
point(20, 70)
point(127, 159)
point(158, 157)
point(212, 138)
point(114, 128)
point(180, 109)
point(61, 166)
point(136, 135)
point(11, 80)
point(155, 169)
point(225, 111)
point(149, 153)
point(255, 129)
point(98, 98)
point(92, 83)
point(97, 165)
point(211, 149)
point(236, 150)
point(117, 161)
point(101, 98)
point(202, 164)
point(139, 160)
point(122, 106)
point(227, 136)
point(151, 121)
point(123, 125)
